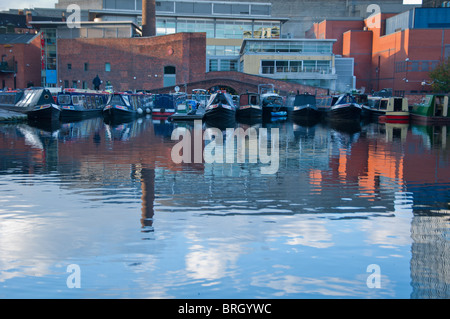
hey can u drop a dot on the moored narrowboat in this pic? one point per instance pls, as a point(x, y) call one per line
point(345, 107)
point(249, 106)
point(432, 110)
point(220, 107)
point(78, 104)
point(302, 106)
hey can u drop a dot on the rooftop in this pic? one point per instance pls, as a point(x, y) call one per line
point(16, 38)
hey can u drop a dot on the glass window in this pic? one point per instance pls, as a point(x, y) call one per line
point(295, 66)
point(64, 99)
point(107, 67)
point(213, 65)
point(309, 66)
point(220, 8)
point(220, 50)
point(184, 7)
point(296, 47)
point(228, 65)
point(210, 50)
point(282, 66)
point(257, 9)
point(267, 67)
point(204, 8)
point(309, 47)
point(240, 9)
point(125, 4)
point(164, 6)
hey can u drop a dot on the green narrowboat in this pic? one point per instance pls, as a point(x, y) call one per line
point(433, 110)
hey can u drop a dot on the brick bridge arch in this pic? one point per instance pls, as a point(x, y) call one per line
point(242, 82)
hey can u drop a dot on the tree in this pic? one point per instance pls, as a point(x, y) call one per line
point(440, 77)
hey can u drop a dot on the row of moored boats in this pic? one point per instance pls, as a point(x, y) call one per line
point(220, 107)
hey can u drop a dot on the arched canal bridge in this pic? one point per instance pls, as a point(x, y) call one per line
point(237, 83)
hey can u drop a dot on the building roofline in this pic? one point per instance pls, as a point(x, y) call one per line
point(186, 15)
point(290, 39)
point(57, 23)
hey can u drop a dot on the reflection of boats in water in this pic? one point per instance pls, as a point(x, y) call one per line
point(349, 127)
point(77, 104)
point(81, 129)
point(220, 108)
point(127, 130)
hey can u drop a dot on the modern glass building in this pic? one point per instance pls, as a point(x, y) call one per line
point(303, 61)
point(226, 24)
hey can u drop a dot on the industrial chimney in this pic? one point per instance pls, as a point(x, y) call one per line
point(148, 18)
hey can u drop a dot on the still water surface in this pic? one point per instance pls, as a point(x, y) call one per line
point(110, 200)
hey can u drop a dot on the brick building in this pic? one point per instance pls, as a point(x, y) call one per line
point(20, 60)
point(395, 51)
point(132, 63)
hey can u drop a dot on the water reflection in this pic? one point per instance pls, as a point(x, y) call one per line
point(341, 199)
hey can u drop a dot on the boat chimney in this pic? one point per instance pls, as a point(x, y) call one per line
point(148, 18)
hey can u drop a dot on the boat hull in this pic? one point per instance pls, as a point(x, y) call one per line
point(397, 117)
point(118, 113)
point(219, 113)
point(48, 112)
point(70, 114)
point(274, 111)
point(304, 112)
point(347, 112)
point(249, 111)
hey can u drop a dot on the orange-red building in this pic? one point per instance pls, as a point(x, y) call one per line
point(395, 51)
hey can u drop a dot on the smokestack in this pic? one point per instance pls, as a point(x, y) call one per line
point(148, 18)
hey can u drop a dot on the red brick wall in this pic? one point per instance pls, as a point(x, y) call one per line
point(136, 63)
point(28, 57)
point(358, 45)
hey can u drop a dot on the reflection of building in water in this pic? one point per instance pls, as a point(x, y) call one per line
point(430, 262)
point(148, 197)
point(427, 176)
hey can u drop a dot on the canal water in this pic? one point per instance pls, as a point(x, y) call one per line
point(92, 210)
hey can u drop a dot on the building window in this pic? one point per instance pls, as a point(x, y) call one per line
point(85, 86)
point(86, 66)
point(267, 67)
point(213, 65)
point(74, 84)
point(69, 66)
point(66, 84)
point(107, 67)
point(228, 65)
point(169, 76)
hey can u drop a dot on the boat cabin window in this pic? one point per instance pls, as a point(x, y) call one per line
point(383, 104)
point(78, 99)
point(220, 98)
point(116, 100)
point(29, 97)
point(334, 100)
point(398, 103)
point(7, 98)
point(373, 103)
point(64, 99)
point(254, 100)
